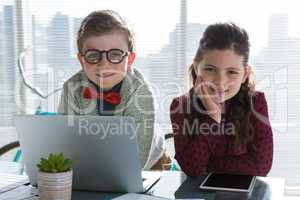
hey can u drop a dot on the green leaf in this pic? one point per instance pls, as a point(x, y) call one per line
point(55, 163)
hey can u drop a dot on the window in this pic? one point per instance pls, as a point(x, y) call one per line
point(167, 34)
point(49, 37)
point(8, 50)
point(156, 30)
point(274, 33)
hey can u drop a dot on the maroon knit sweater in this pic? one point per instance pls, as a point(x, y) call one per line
point(207, 149)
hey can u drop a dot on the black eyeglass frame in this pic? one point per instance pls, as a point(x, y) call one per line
point(124, 54)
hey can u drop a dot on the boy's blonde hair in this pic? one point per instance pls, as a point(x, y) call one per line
point(103, 22)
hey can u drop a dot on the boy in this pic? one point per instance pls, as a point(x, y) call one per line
point(109, 85)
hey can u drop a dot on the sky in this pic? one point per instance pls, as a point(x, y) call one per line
point(152, 21)
point(253, 15)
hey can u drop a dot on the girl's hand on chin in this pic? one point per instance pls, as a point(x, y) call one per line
point(209, 98)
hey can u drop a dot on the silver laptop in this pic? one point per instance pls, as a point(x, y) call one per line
point(103, 149)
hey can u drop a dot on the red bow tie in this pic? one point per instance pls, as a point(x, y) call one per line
point(112, 97)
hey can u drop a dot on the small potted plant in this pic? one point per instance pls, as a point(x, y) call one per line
point(55, 178)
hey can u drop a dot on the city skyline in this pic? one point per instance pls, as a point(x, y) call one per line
point(8, 69)
point(55, 49)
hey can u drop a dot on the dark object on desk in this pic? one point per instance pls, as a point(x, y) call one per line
point(190, 189)
point(228, 182)
point(261, 190)
point(177, 185)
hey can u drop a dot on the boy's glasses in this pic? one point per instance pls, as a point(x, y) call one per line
point(114, 56)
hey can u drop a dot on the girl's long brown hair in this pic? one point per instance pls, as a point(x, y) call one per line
point(223, 36)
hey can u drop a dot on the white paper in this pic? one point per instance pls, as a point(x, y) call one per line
point(10, 181)
point(131, 196)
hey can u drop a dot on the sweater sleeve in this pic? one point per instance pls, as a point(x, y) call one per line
point(191, 151)
point(142, 109)
point(257, 161)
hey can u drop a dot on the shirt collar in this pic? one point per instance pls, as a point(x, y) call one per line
point(115, 88)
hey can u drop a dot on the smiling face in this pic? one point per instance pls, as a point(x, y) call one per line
point(224, 72)
point(104, 73)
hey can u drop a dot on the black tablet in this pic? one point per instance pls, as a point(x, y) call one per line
point(228, 182)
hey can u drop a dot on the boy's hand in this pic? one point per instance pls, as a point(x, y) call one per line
point(209, 99)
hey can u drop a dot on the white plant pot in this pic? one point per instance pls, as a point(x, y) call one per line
point(55, 186)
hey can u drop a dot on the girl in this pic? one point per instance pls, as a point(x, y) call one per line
point(222, 124)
